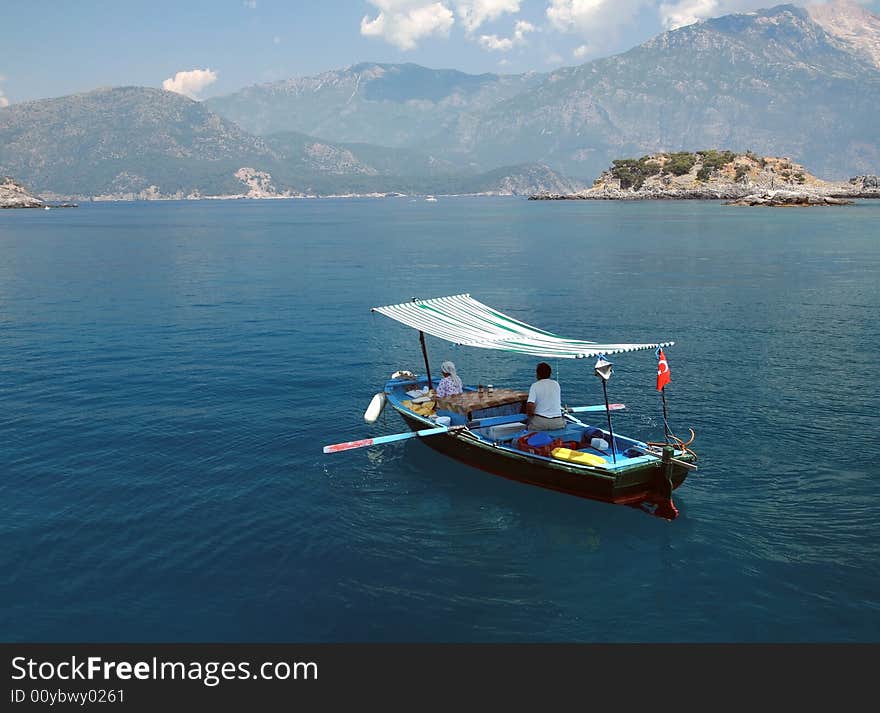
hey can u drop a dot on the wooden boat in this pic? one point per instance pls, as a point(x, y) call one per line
point(489, 430)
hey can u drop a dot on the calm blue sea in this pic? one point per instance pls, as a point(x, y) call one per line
point(170, 371)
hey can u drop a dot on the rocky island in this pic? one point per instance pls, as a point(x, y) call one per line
point(14, 195)
point(739, 178)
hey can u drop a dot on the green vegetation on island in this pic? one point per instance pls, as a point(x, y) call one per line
point(633, 172)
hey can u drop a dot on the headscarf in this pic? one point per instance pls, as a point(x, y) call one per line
point(447, 367)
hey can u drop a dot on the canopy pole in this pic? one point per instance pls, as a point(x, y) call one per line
point(608, 413)
point(425, 355)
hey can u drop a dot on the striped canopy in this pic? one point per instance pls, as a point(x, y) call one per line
point(463, 320)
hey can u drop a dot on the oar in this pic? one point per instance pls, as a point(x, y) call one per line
point(497, 420)
point(590, 409)
point(521, 417)
point(348, 445)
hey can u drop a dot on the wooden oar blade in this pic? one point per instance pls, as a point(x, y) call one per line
point(348, 445)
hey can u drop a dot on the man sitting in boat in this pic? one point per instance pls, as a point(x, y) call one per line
point(450, 384)
point(544, 404)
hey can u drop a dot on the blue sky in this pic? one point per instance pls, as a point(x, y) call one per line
point(54, 48)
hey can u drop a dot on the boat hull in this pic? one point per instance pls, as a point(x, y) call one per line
point(646, 482)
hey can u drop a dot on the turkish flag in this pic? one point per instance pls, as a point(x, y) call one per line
point(663, 376)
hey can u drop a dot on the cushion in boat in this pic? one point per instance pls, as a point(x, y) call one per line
point(578, 456)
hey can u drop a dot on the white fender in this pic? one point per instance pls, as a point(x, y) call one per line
point(374, 410)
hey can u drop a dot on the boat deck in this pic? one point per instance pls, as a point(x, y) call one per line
point(499, 421)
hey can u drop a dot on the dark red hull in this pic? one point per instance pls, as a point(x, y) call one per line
point(646, 482)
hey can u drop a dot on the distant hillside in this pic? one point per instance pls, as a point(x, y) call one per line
point(141, 143)
point(396, 105)
point(851, 25)
point(308, 154)
point(522, 180)
point(124, 140)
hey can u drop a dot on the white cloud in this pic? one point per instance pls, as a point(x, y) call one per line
point(687, 12)
point(190, 83)
point(4, 101)
point(474, 13)
point(602, 22)
point(252, 4)
point(593, 17)
point(520, 29)
point(678, 13)
point(404, 22)
point(494, 43)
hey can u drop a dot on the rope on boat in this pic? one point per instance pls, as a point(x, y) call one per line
point(679, 442)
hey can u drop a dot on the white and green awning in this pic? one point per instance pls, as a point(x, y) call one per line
point(463, 320)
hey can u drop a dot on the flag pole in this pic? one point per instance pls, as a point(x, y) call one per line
point(604, 369)
point(608, 414)
point(666, 431)
point(663, 378)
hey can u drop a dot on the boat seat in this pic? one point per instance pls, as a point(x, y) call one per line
point(569, 433)
point(502, 432)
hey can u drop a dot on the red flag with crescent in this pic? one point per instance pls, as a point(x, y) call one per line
point(663, 376)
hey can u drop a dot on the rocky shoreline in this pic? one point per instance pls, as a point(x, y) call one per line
point(14, 195)
point(828, 193)
point(829, 196)
point(788, 198)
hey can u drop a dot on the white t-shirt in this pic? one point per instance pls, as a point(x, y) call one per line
point(546, 396)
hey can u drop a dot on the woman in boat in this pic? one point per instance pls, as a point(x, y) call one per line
point(450, 384)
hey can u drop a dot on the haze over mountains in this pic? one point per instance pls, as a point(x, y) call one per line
point(397, 105)
point(775, 81)
point(783, 81)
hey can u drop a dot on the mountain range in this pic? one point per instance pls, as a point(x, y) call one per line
point(786, 81)
point(139, 142)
